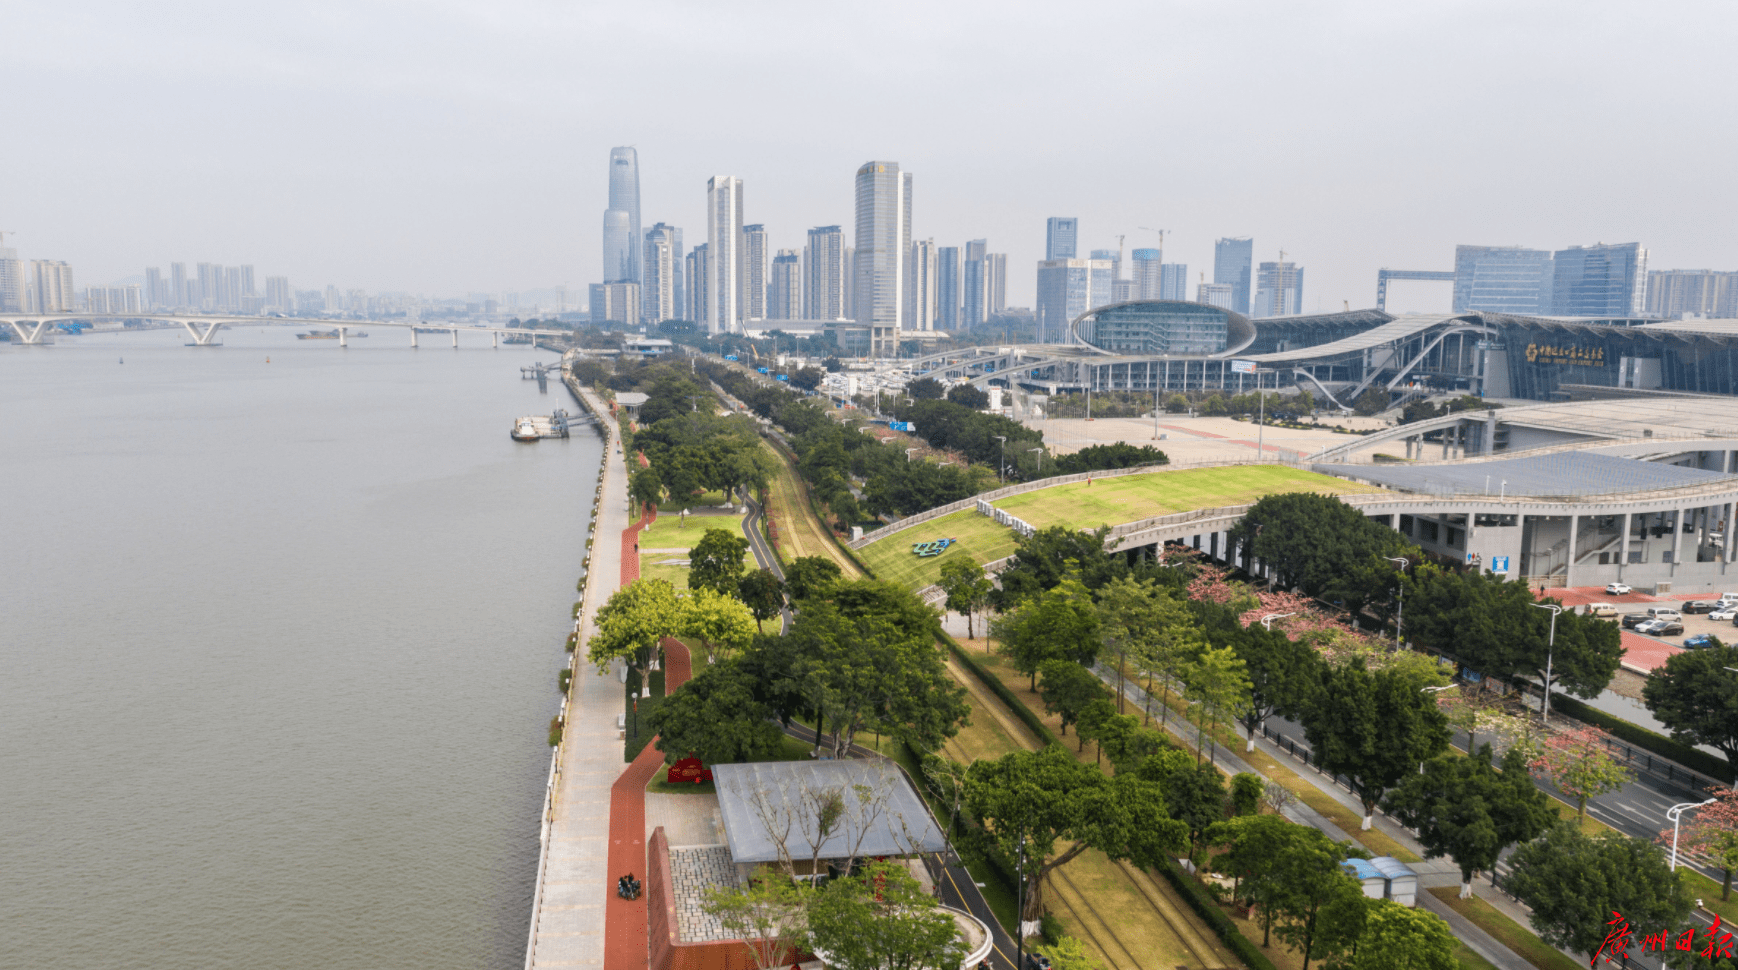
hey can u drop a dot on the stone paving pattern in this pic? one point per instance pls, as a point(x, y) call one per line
point(692, 872)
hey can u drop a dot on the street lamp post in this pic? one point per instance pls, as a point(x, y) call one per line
point(1002, 461)
point(1040, 452)
point(1675, 813)
point(1400, 614)
point(1020, 909)
point(1550, 648)
point(1267, 621)
point(908, 452)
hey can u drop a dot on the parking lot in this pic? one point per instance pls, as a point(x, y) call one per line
point(1647, 652)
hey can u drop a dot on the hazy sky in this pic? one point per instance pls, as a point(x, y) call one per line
point(444, 147)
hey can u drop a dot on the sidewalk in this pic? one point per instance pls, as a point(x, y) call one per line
point(569, 928)
point(1431, 872)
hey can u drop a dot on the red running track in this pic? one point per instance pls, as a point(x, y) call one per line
point(625, 946)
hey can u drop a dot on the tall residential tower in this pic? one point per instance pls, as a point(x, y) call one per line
point(724, 256)
point(883, 248)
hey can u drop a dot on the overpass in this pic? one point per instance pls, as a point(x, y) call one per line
point(33, 328)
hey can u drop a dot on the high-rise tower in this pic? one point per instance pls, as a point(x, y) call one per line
point(724, 257)
point(921, 288)
point(756, 261)
point(662, 266)
point(826, 274)
point(1234, 263)
point(1061, 234)
point(1146, 274)
point(621, 222)
point(883, 248)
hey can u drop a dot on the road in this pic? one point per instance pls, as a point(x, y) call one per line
point(763, 553)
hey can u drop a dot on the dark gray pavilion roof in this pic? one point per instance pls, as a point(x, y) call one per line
point(894, 822)
point(1561, 474)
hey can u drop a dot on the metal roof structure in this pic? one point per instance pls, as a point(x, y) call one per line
point(760, 797)
point(1397, 328)
point(1561, 474)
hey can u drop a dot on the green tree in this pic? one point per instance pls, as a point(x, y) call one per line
point(967, 588)
point(1316, 896)
point(717, 562)
point(1035, 799)
point(1397, 938)
point(1218, 683)
point(1574, 882)
point(646, 488)
point(763, 594)
point(1255, 846)
point(1196, 797)
point(1323, 546)
point(632, 622)
point(1176, 404)
point(1053, 626)
point(717, 621)
point(972, 397)
point(766, 914)
point(1092, 721)
point(1246, 791)
point(1580, 765)
point(1374, 728)
point(1283, 674)
point(881, 919)
point(1150, 625)
point(809, 576)
point(716, 718)
point(1067, 688)
point(1372, 401)
point(1696, 695)
point(926, 389)
point(808, 378)
point(1129, 745)
point(1464, 809)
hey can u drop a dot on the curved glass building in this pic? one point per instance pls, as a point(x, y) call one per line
point(1162, 328)
point(621, 222)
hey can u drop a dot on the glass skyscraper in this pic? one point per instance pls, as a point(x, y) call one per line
point(1278, 290)
point(1502, 279)
point(1233, 263)
point(883, 249)
point(724, 255)
point(621, 221)
point(826, 274)
point(947, 287)
point(1146, 273)
point(756, 261)
point(1061, 235)
point(1174, 281)
point(1599, 281)
point(1066, 289)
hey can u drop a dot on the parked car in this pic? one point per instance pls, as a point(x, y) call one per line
point(1618, 589)
point(1700, 641)
point(1729, 597)
point(1727, 612)
point(1633, 620)
point(1601, 610)
point(1700, 606)
point(1661, 628)
point(1664, 613)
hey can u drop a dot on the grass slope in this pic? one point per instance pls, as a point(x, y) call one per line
point(1080, 505)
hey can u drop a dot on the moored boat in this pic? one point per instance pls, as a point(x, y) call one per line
point(525, 429)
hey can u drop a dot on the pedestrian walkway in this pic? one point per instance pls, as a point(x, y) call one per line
point(625, 941)
point(567, 927)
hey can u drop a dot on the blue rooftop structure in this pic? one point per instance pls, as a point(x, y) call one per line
point(1562, 474)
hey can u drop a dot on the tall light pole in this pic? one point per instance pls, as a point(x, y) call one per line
point(1400, 614)
point(1040, 452)
point(908, 452)
point(1267, 621)
point(1675, 813)
point(1550, 647)
point(1002, 462)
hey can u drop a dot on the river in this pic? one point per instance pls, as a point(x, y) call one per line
point(279, 646)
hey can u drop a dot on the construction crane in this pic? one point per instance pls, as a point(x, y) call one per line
point(1161, 233)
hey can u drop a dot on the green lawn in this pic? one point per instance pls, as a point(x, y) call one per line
point(975, 536)
point(1113, 501)
point(669, 533)
point(1511, 934)
point(1079, 505)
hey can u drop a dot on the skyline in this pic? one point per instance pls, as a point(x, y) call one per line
point(484, 167)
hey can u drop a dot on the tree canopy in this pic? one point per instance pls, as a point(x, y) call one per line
point(1067, 688)
point(1696, 695)
point(717, 562)
point(1324, 547)
point(808, 576)
point(967, 588)
point(1374, 728)
point(1036, 799)
point(1058, 624)
point(632, 622)
point(716, 718)
point(1463, 808)
point(1574, 882)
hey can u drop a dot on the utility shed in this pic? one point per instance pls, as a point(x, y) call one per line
point(881, 815)
point(1370, 878)
point(1402, 881)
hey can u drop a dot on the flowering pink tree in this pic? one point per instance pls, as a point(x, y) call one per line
point(1712, 833)
point(1581, 766)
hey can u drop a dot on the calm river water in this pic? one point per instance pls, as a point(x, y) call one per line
point(278, 646)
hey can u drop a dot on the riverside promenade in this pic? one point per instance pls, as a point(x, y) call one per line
point(568, 921)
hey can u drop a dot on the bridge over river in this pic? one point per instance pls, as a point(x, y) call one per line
point(34, 329)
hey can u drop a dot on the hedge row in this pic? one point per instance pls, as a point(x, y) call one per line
point(1202, 903)
point(1684, 754)
point(1000, 690)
